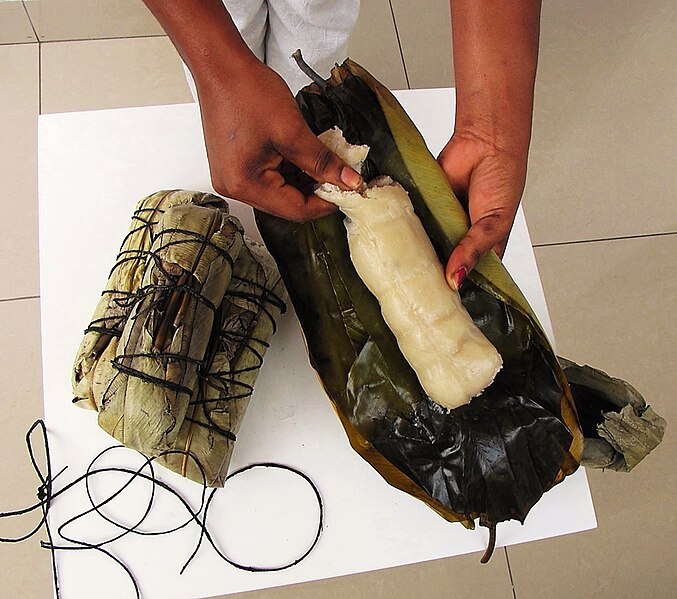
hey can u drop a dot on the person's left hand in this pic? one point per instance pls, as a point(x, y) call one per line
point(490, 181)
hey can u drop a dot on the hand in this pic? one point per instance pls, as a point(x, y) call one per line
point(490, 181)
point(251, 124)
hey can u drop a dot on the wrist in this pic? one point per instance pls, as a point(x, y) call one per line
point(495, 57)
point(218, 58)
point(500, 115)
point(496, 133)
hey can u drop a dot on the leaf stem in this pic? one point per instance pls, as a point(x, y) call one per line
point(305, 67)
point(489, 551)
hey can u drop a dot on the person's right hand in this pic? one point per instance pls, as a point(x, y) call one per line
point(251, 124)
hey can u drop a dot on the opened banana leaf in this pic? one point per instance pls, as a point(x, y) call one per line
point(491, 459)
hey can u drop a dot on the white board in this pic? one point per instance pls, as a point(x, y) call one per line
point(93, 168)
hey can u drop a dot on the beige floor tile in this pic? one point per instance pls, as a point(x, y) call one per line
point(89, 75)
point(56, 20)
point(374, 44)
point(15, 27)
point(424, 28)
point(612, 306)
point(19, 100)
point(460, 577)
point(602, 160)
point(24, 567)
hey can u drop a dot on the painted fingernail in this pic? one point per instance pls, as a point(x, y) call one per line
point(350, 178)
point(459, 277)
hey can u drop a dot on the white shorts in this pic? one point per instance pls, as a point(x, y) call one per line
point(274, 29)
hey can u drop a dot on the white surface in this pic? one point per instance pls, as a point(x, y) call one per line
point(94, 166)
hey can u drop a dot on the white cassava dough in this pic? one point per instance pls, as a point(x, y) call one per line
point(394, 257)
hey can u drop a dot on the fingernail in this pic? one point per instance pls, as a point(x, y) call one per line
point(459, 277)
point(350, 178)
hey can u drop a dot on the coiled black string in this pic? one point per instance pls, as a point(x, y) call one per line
point(47, 494)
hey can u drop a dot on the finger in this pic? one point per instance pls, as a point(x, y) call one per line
point(457, 173)
point(297, 178)
point(312, 156)
point(482, 236)
point(274, 196)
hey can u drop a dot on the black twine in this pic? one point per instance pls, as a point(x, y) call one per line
point(137, 304)
point(140, 302)
point(46, 495)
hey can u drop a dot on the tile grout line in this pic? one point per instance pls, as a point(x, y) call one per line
point(84, 39)
point(512, 582)
point(600, 239)
point(18, 299)
point(37, 39)
point(30, 21)
point(103, 39)
point(399, 44)
point(26, 43)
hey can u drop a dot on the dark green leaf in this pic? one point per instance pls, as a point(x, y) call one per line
point(494, 457)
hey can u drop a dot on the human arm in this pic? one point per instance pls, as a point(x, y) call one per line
point(495, 44)
point(250, 119)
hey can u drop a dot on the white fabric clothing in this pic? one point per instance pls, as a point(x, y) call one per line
point(274, 29)
point(251, 19)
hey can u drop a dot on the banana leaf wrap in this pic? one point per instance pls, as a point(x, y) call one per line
point(176, 342)
point(245, 320)
point(114, 307)
point(166, 334)
point(491, 459)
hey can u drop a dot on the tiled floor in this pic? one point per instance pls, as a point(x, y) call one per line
point(601, 206)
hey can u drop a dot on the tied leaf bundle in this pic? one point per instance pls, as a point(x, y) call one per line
point(177, 339)
point(491, 459)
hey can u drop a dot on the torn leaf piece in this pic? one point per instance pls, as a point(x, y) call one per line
point(632, 435)
point(620, 428)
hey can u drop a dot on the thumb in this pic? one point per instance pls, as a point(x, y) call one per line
point(317, 160)
point(483, 235)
